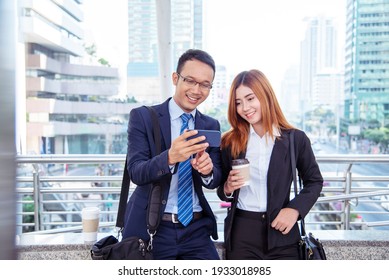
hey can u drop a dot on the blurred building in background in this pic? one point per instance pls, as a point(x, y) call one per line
point(143, 65)
point(367, 64)
point(318, 58)
point(66, 98)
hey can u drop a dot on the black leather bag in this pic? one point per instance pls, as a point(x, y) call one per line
point(310, 248)
point(131, 248)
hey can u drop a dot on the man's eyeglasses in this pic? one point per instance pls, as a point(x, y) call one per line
point(192, 83)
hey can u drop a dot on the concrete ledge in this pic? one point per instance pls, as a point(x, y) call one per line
point(355, 244)
point(338, 244)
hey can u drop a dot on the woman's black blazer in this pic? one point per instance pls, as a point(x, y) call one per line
point(279, 180)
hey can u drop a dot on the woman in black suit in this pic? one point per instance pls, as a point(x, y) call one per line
point(262, 220)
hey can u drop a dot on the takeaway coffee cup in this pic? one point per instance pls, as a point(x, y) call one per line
point(244, 166)
point(90, 223)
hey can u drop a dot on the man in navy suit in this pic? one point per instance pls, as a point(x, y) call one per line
point(173, 240)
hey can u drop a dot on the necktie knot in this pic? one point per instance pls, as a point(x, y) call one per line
point(186, 117)
point(185, 121)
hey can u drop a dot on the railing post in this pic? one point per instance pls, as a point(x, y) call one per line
point(36, 195)
point(348, 175)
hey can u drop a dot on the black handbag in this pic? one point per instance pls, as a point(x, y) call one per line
point(310, 248)
point(133, 247)
point(130, 248)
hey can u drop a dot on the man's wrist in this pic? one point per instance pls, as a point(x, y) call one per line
point(231, 195)
point(169, 158)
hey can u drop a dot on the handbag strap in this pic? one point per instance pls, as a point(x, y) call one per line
point(293, 162)
point(152, 214)
point(154, 204)
point(123, 197)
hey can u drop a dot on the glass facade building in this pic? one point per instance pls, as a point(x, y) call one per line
point(367, 62)
point(143, 64)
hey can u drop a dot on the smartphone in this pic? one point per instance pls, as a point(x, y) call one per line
point(212, 137)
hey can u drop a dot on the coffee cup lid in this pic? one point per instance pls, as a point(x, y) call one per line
point(90, 212)
point(240, 161)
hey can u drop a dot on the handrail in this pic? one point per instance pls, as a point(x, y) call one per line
point(377, 224)
point(71, 158)
point(345, 187)
point(118, 158)
point(352, 196)
point(352, 158)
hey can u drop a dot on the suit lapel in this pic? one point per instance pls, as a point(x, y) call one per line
point(278, 160)
point(199, 121)
point(164, 123)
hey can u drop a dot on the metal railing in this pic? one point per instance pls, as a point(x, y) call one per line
point(53, 189)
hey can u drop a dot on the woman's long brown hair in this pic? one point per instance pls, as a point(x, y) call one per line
point(236, 138)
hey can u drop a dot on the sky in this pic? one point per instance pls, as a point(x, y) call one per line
point(240, 34)
point(263, 34)
point(105, 24)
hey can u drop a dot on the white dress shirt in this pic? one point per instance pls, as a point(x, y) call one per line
point(259, 150)
point(176, 122)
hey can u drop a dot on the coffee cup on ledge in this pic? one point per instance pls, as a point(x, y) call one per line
point(243, 165)
point(90, 224)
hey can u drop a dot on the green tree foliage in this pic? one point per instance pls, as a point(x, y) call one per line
point(132, 99)
point(104, 62)
point(28, 207)
point(220, 113)
point(91, 50)
point(378, 136)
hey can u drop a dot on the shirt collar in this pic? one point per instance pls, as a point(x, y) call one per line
point(176, 112)
point(276, 133)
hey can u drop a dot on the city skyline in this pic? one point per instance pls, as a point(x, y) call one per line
point(280, 29)
point(241, 37)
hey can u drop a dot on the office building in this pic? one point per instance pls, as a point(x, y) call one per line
point(289, 94)
point(318, 52)
point(65, 103)
point(367, 63)
point(327, 88)
point(186, 32)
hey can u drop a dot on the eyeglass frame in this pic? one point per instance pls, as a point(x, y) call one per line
point(192, 83)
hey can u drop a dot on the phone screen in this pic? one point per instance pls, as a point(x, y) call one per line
point(213, 137)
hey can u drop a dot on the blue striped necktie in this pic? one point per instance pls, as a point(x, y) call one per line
point(185, 207)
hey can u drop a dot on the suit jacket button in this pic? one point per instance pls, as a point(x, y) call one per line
point(163, 201)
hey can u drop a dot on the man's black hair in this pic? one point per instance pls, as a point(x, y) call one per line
point(194, 54)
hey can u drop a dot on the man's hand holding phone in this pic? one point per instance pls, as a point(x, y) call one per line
point(183, 148)
point(212, 137)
